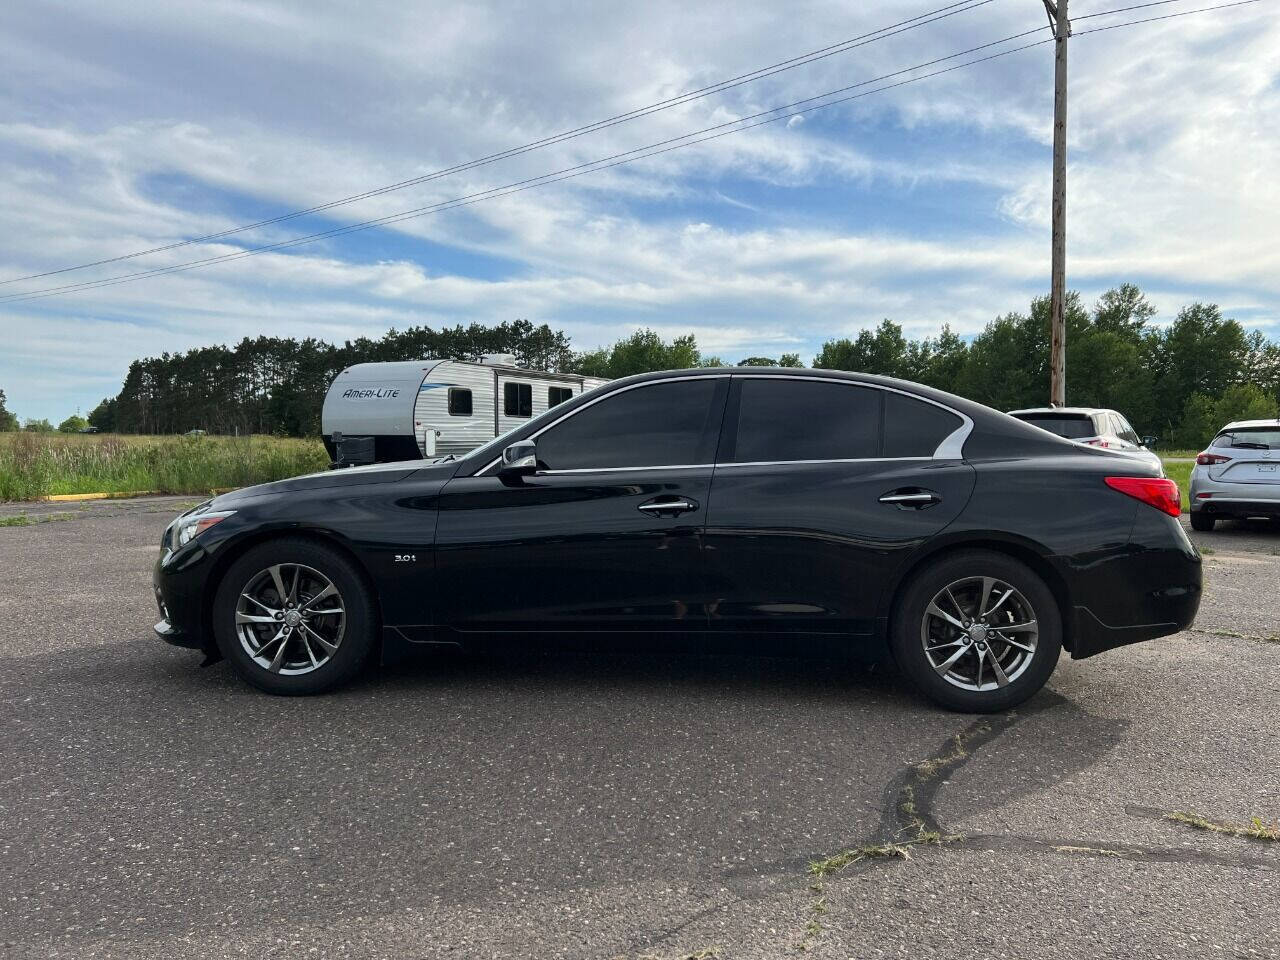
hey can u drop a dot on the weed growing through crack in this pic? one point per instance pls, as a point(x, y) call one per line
point(31, 519)
point(1272, 638)
point(706, 953)
point(1255, 829)
point(1089, 851)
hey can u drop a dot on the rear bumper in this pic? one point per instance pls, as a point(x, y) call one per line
point(1151, 589)
point(1229, 506)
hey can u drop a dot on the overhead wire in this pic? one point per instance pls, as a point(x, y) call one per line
point(714, 132)
point(844, 46)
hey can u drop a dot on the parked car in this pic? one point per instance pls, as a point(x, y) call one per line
point(195, 433)
point(714, 510)
point(1238, 474)
point(1094, 427)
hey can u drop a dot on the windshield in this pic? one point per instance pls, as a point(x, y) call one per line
point(1072, 426)
point(1250, 438)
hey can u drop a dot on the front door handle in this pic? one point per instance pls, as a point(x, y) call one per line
point(668, 506)
point(911, 498)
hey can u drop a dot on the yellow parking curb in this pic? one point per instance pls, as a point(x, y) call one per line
point(73, 497)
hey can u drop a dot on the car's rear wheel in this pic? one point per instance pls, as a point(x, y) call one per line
point(1202, 521)
point(977, 631)
point(294, 617)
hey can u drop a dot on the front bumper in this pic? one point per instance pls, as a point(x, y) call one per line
point(167, 632)
point(178, 583)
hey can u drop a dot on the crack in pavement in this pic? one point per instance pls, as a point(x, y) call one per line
point(908, 808)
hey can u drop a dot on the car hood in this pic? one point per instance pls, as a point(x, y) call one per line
point(346, 477)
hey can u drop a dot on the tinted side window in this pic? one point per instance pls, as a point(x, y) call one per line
point(652, 426)
point(459, 402)
point(517, 399)
point(787, 419)
point(913, 428)
point(557, 396)
point(1127, 433)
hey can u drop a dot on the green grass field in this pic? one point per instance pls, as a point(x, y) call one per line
point(1180, 473)
point(40, 465)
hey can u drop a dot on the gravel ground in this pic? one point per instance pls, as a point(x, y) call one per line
point(617, 807)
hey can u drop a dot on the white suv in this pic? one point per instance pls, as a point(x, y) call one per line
point(1092, 426)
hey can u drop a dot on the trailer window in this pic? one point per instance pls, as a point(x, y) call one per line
point(557, 396)
point(517, 399)
point(459, 402)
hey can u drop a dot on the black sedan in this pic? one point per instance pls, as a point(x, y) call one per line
point(811, 512)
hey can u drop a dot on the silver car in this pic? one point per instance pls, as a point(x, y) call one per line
point(1095, 427)
point(1238, 474)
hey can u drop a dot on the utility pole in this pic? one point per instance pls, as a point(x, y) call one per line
point(1057, 289)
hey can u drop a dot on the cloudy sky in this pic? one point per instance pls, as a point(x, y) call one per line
point(131, 125)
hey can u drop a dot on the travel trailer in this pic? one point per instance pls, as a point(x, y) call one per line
point(382, 412)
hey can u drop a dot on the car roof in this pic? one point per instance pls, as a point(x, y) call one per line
point(970, 408)
point(1083, 411)
point(1238, 424)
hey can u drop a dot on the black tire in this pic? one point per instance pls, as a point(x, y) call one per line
point(908, 626)
point(1202, 521)
point(356, 641)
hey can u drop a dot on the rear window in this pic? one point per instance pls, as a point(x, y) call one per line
point(913, 428)
point(1073, 426)
point(1250, 438)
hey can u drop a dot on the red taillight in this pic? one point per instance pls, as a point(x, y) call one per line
point(1209, 459)
point(1159, 492)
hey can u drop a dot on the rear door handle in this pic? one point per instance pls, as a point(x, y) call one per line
point(668, 506)
point(913, 498)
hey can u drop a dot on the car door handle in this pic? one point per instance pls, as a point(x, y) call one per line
point(668, 506)
point(911, 498)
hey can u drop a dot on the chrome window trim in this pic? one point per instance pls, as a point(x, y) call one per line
point(951, 447)
point(660, 466)
point(781, 463)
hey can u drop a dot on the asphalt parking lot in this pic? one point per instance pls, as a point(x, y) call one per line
point(618, 807)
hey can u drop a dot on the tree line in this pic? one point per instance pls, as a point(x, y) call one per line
point(1179, 382)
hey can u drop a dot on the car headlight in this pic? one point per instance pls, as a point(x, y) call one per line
point(191, 526)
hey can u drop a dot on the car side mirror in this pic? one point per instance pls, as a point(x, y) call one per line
point(1148, 441)
point(519, 460)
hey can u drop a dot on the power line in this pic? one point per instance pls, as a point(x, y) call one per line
point(1140, 6)
point(567, 173)
point(629, 156)
point(844, 46)
point(1167, 16)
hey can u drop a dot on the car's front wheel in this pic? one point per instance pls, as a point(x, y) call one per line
point(294, 617)
point(977, 631)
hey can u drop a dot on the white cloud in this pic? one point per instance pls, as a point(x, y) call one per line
point(132, 129)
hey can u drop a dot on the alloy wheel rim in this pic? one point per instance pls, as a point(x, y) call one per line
point(290, 619)
point(979, 633)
